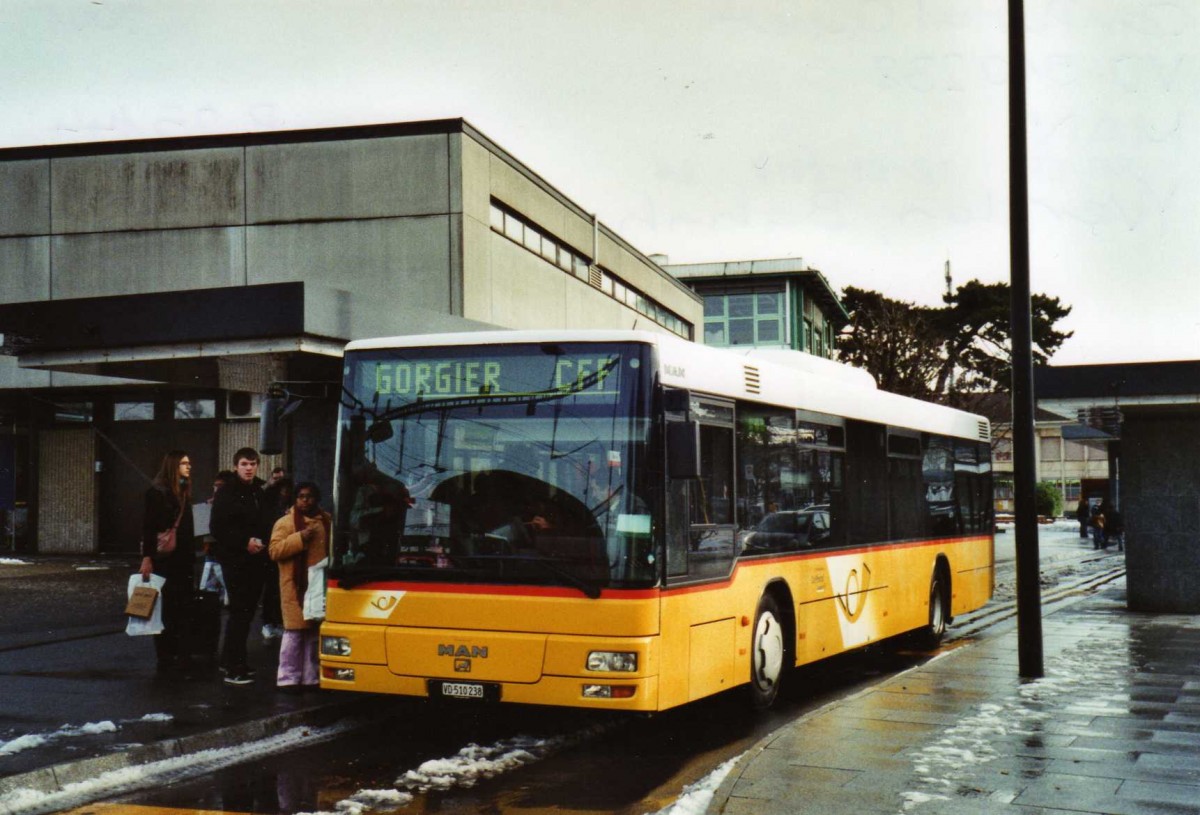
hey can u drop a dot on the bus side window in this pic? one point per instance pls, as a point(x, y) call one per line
point(711, 542)
point(712, 493)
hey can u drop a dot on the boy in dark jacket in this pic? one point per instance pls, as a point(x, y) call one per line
point(239, 513)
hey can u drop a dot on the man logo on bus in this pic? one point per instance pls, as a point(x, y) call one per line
point(854, 599)
point(463, 651)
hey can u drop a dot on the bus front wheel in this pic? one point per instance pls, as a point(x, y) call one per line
point(768, 654)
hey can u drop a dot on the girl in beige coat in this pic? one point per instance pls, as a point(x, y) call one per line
point(299, 539)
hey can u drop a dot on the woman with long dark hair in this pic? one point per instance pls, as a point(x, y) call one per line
point(169, 504)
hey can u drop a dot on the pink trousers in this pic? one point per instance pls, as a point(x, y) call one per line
point(298, 658)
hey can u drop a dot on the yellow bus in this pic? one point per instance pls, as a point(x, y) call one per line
point(624, 520)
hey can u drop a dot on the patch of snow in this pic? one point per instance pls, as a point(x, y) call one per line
point(21, 743)
point(156, 717)
point(12, 561)
point(31, 740)
point(27, 801)
point(695, 798)
point(371, 800)
point(474, 762)
point(470, 765)
point(1091, 679)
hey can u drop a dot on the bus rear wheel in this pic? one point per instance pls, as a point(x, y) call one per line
point(768, 654)
point(938, 612)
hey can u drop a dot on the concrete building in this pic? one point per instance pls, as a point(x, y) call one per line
point(779, 303)
point(1078, 467)
point(151, 290)
point(1149, 416)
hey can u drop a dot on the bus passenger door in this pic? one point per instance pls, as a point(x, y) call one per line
point(701, 532)
point(698, 631)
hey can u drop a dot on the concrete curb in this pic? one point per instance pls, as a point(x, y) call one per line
point(54, 778)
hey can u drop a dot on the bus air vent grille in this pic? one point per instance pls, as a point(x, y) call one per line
point(753, 383)
point(595, 276)
point(984, 434)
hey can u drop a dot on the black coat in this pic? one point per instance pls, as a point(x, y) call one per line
point(161, 510)
point(240, 512)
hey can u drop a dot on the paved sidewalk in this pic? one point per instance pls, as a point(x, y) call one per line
point(1114, 727)
point(78, 697)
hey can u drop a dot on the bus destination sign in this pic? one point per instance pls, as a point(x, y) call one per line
point(496, 375)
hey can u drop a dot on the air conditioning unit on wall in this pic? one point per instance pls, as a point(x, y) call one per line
point(243, 405)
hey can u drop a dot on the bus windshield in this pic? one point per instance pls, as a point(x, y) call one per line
point(515, 464)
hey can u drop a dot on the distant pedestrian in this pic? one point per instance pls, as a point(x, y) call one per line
point(299, 540)
point(237, 523)
point(1097, 524)
point(1083, 514)
point(1114, 528)
point(168, 505)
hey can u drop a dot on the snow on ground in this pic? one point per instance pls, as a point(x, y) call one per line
point(155, 717)
point(31, 802)
point(695, 798)
point(31, 740)
point(467, 767)
point(1091, 679)
point(12, 561)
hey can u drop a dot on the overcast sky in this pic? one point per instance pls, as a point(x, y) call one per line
point(867, 136)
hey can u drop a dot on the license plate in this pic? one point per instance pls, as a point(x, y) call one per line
point(462, 690)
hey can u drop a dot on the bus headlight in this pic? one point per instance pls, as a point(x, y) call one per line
point(608, 691)
point(626, 661)
point(335, 646)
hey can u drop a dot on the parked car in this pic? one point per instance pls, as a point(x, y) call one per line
point(790, 529)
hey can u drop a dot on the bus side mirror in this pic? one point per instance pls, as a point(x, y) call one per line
point(683, 449)
point(270, 428)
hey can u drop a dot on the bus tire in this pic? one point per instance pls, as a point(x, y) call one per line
point(768, 655)
point(935, 631)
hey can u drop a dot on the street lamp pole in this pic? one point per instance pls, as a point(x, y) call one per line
point(1029, 601)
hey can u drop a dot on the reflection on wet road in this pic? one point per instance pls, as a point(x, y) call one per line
point(458, 758)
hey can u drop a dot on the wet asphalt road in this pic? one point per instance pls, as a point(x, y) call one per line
point(631, 765)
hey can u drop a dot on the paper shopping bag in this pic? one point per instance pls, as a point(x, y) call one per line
point(142, 601)
point(139, 626)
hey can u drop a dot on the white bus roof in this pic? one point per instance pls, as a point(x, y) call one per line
point(773, 376)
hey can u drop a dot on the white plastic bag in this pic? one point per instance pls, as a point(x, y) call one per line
point(213, 579)
point(314, 595)
point(137, 627)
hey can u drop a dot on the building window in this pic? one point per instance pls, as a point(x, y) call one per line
point(522, 233)
point(1071, 492)
point(1002, 450)
point(744, 318)
point(1073, 451)
point(1051, 448)
point(133, 412)
point(195, 409)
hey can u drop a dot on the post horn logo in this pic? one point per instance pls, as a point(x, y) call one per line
point(385, 603)
point(854, 599)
